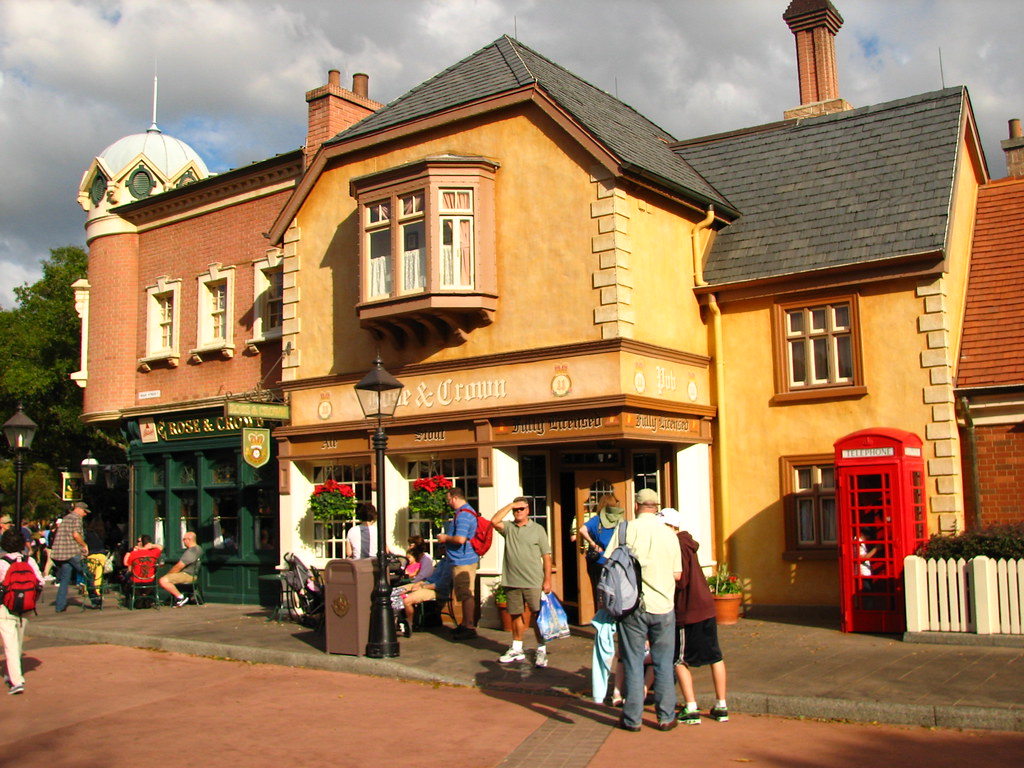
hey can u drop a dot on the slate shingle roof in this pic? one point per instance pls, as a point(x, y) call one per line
point(992, 349)
point(847, 188)
point(506, 65)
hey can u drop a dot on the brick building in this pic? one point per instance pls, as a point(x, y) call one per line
point(990, 381)
point(182, 313)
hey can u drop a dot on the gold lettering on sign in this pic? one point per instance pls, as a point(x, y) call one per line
point(530, 427)
point(666, 379)
point(430, 436)
point(583, 422)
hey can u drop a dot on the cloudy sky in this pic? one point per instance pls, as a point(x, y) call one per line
point(76, 75)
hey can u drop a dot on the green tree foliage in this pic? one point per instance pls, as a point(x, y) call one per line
point(40, 500)
point(39, 350)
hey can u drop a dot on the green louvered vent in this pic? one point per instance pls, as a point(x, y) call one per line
point(98, 188)
point(141, 183)
point(188, 177)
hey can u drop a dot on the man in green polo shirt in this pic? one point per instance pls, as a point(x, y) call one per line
point(525, 573)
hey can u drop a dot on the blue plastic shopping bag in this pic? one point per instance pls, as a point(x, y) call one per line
point(552, 621)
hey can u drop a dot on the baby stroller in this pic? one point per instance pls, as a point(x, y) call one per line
point(305, 590)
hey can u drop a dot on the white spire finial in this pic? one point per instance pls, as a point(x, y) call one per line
point(154, 126)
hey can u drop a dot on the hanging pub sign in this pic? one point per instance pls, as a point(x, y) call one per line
point(256, 446)
point(70, 486)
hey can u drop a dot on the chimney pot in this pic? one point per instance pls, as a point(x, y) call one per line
point(1013, 149)
point(334, 77)
point(361, 85)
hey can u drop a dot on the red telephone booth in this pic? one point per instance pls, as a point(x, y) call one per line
point(881, 509)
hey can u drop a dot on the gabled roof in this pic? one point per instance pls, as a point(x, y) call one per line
point(992, 349)
point(506, 65)
point(842, 189)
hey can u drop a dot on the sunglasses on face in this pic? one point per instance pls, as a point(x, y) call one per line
point(520, 509)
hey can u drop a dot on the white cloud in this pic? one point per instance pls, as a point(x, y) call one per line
point(76, 75)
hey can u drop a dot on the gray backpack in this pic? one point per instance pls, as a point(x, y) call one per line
point(618, 588)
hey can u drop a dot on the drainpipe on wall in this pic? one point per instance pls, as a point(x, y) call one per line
point(723, 465)
point(972, 447)
point(721, 473)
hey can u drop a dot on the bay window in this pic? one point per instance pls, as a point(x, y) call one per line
point(427, 257)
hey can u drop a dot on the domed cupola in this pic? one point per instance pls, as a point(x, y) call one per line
point(136, 167)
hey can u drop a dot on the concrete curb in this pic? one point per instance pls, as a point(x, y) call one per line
point(863, 711)
point(964, 638)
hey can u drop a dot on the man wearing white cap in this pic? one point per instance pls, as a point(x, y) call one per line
point(697, 630)
point(653, 621)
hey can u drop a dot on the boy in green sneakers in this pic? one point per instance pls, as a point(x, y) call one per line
point(697, 630)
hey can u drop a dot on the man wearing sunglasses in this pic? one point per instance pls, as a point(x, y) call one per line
point(525, 573)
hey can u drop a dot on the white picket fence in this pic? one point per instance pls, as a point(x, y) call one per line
point(982, 595)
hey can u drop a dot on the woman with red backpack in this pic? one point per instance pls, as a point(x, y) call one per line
point(21, 583)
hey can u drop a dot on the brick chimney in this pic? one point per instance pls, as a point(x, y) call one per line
point(1013, 147)
point(332, 109)
point(814, 24)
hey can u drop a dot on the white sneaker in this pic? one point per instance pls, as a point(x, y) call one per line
point(541, 659)
point(511, 655)
point(183, 600)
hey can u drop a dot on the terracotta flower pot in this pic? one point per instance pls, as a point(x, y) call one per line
point(506, 617)
point(727, 608)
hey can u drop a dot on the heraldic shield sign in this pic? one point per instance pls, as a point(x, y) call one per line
point(256, 446)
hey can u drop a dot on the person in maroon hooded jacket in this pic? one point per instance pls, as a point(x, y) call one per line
point(697, 636)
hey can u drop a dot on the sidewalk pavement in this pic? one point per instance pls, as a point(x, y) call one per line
point(788, 667)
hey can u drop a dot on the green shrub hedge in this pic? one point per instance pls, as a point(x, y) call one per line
point(1002, 542)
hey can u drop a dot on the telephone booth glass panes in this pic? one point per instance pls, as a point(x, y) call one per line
point(871, 501)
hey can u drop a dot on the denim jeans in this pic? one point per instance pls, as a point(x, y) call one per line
point(68, 571)
point(634, 631)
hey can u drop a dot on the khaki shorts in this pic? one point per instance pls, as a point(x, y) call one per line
point(463, 578)
point(519, 597)
point(180, 578)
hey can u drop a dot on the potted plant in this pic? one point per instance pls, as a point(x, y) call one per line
point(429, 499)
point(501, 601)
point(332, 500)
point(728, 593)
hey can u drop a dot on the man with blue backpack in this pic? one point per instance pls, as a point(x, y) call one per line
point(458, 541)
point(652, 620)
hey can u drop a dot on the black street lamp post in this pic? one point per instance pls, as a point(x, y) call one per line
point(19, 431)
point(378, 394)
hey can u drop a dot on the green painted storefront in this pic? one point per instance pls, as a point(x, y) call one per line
point(190, 474)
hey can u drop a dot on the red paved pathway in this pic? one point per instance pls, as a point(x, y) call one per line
point(114, 706)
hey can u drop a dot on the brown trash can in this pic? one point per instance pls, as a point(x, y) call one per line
point(347, 586)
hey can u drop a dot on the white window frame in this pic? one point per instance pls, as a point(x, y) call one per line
point(210, 315)
point(379, 218)
point(820, 328)
point(414, 262)
point(263, 270)
point(156, 295)
point(451, 256)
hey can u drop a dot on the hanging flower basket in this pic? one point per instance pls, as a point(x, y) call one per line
point(332, 500)
point(429, 498)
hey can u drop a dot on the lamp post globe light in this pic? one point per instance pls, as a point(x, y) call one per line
point(19, 430)
point(378, 392)
point(90, 469)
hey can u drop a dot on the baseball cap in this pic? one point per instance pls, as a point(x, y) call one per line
point(647, 496)
point(81, 505)
point(670, 516)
